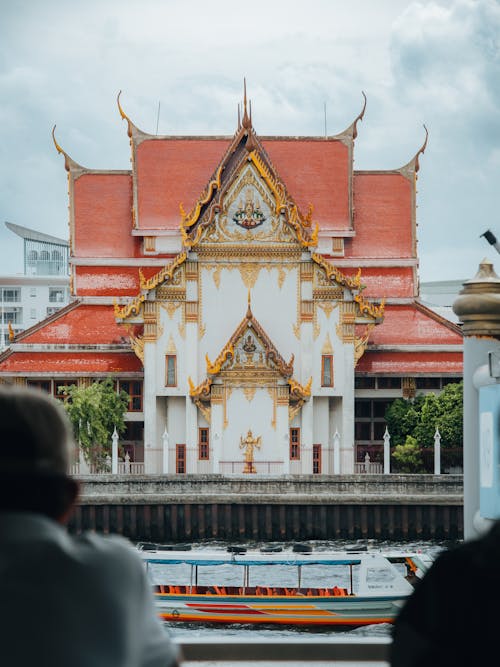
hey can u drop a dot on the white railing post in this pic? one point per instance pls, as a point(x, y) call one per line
point(114, 452)
point(336, 453)
point(164, 440)
point(387, 452)
point(437, 452)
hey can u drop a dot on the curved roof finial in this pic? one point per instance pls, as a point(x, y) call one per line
point(68, 162)
point(124, 115)
point(246, 122)
point(421, 150)
point(359, 117)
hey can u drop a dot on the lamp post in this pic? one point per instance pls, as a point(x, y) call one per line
point(478, 308)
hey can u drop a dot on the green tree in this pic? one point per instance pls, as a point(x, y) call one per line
point(421, 416)
point(95, 411)
point(402, 417)
point(408, 456)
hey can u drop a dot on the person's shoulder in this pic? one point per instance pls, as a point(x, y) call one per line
point(115, 550)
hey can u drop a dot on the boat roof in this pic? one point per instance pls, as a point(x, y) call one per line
point(202, 557)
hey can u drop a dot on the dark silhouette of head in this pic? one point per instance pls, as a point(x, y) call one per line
point(36, 449)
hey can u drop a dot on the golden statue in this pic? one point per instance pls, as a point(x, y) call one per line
point(249, 444)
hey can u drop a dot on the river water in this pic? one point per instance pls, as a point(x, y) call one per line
point(182, 631)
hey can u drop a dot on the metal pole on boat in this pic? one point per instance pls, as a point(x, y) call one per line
point(350, 576)
point(299, 576)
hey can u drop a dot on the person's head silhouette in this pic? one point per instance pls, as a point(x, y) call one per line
point(36, 450)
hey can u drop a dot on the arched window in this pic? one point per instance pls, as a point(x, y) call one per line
point(56, 256)
point(45, 255)
point(32, 256)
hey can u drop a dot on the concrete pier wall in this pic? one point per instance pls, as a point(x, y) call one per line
point(173, 509)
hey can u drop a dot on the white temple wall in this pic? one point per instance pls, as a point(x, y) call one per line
point(176, 423)
point(347, 440)
point(224, 308)
point(151, 447)
point(321, 419)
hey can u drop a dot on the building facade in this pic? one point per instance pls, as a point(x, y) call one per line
point(41, 290)
point(256, 296)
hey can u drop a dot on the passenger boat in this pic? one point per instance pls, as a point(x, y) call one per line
point(351, 588)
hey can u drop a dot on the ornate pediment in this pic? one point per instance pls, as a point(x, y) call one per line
point(248, 215)
point(249, 359)
point(246, 201)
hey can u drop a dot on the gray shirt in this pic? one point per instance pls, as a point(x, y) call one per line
point(74, 601)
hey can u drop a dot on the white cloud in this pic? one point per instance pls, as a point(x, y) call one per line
point(434, 62)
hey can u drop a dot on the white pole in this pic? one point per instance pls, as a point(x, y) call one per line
point(437, 452)
point(164, 439)
point(114, 453)
point(387, 452)
point(336, 453)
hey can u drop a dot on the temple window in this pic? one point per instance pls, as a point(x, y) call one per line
point(134, 391)
point(203, 445)
point(294, 444)
point(327, 370)
point(43, 385)
point(171, 370)
point(316, 459)
point(389, 382)
point(180, 459)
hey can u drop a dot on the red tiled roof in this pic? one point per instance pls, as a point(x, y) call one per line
point(170, 172)
point(383, 216)
point(314, 172)
point(81, 324)
point(414, 325)
point(407, 363)
point(75, 363)
point(103, 216)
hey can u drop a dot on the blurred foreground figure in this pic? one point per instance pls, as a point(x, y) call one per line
point(64, 601)
point(452, 617)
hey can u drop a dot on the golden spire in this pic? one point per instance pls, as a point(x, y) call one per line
point(246, 122)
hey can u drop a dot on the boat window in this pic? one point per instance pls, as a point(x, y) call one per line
point(379, 575)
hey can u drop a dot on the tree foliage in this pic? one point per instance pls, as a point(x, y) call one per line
point(95, 411)
point(408, 456)
point(419, 418)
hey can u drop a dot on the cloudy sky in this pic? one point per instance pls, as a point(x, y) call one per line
point(434, 61)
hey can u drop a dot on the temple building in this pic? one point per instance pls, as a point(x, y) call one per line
point(256, 296)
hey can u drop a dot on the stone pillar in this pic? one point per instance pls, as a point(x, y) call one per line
point(437, 452)
point(478, 308)
point(164, 442)
point(387, 452)
point(336, 453)
point(114, 452)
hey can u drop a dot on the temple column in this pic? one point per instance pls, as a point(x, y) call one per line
point(282, 425)
point(217, 426)
point(152, 439)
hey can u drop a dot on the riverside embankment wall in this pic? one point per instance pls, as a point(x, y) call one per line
point(172, 508)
